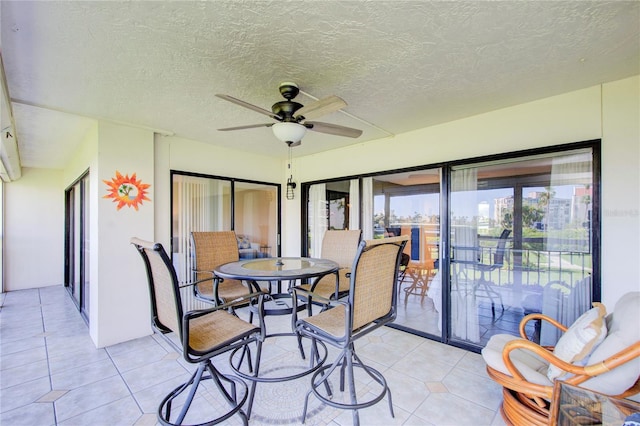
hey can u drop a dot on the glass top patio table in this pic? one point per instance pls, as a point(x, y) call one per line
point(277, 269)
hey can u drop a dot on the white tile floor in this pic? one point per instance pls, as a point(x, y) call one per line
point(52, 374)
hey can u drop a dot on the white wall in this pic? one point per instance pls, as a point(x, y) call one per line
point(620, 189)
point(119, 290)
point(34, 230)
point(610, 112)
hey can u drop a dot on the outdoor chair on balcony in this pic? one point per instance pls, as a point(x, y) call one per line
point(597, 353)
point(483, 287)
point(340, 246)
point(201, 335)
point(371, 303)
point(210, 250)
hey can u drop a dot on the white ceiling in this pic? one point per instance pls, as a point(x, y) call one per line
point(400, 65)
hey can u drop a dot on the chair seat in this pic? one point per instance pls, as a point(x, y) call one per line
point(217, 329)
point(330, 322)
point(533, 368)
point(326, 287)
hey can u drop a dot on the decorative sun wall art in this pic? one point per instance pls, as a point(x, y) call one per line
point(127, 191)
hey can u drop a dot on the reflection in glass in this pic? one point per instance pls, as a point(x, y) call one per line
point(256, 218)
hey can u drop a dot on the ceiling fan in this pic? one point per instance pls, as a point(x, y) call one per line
point(291, 117)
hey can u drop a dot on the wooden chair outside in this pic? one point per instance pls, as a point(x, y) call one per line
point(420, 272)
point(201, 335)
point(371, 303)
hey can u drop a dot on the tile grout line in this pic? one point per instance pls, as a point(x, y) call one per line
point(46, 351)
point(142, 412)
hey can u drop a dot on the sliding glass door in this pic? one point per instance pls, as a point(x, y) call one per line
point(409, 203)
point(77, 243)
point(405, 203)
point(208, 203)
point(521, 242)
point(490, 240)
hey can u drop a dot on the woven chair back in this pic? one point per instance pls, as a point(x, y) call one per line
point(163, 285)
point(341, 246)
point(212, 249)
point(373, 280)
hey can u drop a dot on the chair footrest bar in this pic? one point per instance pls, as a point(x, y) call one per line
point(327, 399)
point(241, 388)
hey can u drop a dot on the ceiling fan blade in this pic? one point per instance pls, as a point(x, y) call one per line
point(321, 107)
point(248, 105)
point(333, 129)
point(249, 126)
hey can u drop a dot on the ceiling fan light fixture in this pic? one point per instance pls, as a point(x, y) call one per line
point(289, 132)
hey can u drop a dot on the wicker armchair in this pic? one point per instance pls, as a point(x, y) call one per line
point(341, 247)
point(212, 249)
point(202, 335)
point(521, 366)
point(371, 303)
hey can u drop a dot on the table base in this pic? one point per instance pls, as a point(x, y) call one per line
point(301, 366)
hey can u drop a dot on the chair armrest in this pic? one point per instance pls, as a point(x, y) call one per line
point(541, 351)
point(309, 294)
point(202, 271)
point(539, 316)
point(200, 312)
point(584, 373)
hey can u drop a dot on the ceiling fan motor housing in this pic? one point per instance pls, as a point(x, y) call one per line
point(286, 110)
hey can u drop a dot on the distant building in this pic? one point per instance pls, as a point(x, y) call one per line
point(581, 205)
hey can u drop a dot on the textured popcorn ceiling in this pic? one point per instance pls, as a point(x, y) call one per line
point(400, 65)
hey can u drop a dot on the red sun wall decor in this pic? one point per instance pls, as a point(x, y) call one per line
point(127, 191)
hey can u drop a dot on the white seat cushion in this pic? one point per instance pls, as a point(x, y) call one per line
point(532, 367)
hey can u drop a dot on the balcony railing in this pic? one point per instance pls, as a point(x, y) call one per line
point(535, 267)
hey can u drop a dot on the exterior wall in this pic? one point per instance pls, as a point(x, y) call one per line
point(34, 230)
point(610, 112)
